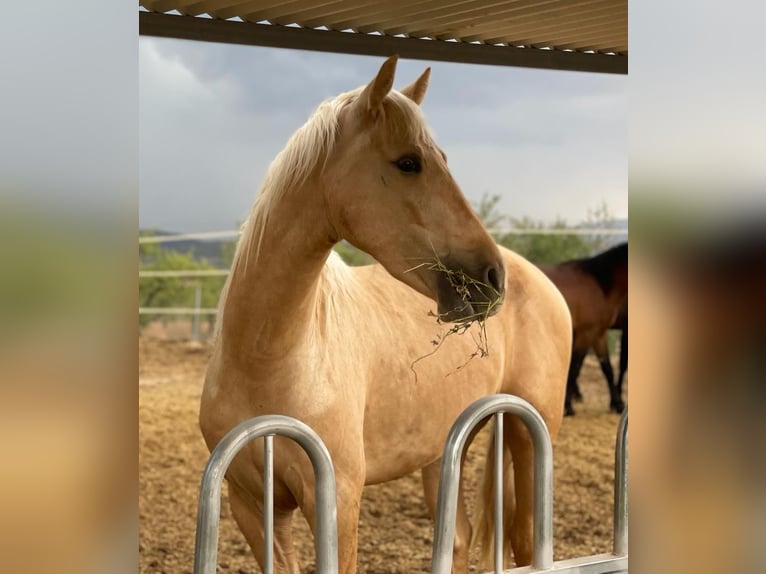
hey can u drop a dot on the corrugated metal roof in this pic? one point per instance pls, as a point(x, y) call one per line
point(568, 28)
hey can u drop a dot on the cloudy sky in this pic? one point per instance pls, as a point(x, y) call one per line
point(212, 117)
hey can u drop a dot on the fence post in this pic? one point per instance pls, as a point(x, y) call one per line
point(197, 305)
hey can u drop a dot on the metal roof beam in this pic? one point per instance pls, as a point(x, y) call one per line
point(245, 33)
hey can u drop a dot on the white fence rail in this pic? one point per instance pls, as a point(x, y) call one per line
point(210, 235)
point(206, 235)
point(234, 234)
point(176, 311)
point(185, 273)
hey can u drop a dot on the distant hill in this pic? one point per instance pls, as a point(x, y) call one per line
point(209, 249)
point(620, 224)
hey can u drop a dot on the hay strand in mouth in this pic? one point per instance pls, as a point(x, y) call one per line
point(462, 283)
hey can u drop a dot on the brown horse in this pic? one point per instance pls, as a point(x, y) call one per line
point(596, 291)
point(601, 349)
point(349, 351)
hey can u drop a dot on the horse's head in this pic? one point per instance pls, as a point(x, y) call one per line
point(391, 194)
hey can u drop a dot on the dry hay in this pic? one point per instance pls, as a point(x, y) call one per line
point(395, 532)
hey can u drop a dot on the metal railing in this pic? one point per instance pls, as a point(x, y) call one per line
point(449, 480)
point(621, 488)
point(326, 540)
point(542, 557)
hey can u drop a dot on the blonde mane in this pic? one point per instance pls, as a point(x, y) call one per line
point(306, 148)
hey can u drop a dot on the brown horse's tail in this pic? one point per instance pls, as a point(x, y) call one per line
point(484, 521)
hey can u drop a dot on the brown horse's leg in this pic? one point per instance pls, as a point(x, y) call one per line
point(248, 513)
point(522, 537)
point(575, 366)
point(573, 386)
point(602, 351)
point(576, 392)
point(462, 527)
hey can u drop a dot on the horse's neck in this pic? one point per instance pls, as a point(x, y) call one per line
point(272, 298)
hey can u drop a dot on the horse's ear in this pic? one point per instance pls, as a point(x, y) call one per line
point(416, 91)
point(373, 95)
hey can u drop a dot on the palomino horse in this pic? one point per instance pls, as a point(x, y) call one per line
point(596, 291)
point(349, 351)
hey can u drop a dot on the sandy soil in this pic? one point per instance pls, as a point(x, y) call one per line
point(395, 530)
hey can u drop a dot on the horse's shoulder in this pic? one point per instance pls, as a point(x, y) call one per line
point(526, 282)
point(521, 274)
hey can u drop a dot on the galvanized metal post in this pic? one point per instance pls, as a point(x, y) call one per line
point(444, 533)
point(499, 482)
point(621, 488)
point(206, 551)
point(197, 305)
point(268, 504)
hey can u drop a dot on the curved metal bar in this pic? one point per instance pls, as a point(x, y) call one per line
point(498, 493)
point(268, 504)
point(206, 548)
point(621, 488)
point(449, 481)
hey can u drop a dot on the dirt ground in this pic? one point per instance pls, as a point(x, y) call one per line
point(395, 532)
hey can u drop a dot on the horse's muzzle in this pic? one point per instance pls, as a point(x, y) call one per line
point(463, 298)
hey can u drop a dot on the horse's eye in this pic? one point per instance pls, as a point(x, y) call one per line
point(408, 164)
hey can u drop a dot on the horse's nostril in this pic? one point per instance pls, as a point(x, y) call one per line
point(494, 278)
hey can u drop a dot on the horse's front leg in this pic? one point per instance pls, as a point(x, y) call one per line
point(248, 513)
point(349, 487)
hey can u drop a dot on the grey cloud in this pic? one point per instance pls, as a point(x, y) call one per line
point(550, 143)
point(272, 78)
